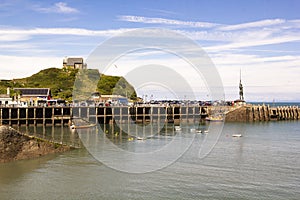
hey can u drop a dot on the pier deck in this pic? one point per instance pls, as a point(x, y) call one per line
point(141, 114)
point(104, 115)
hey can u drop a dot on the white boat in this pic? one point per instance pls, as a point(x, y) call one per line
point(206, 131)
point(198, 131)
point(237, 135)
point(72, 127)
point(177, 128)
point(193, 130)
point(140, 138)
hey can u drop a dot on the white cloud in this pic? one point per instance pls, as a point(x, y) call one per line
point(149, 20)
point(251, 43)
point(230, 59)
point(15, 46)
point(59, 7)
point(256, 24)
point(63, 8)
point(226, 36)
point(161, 11)
point(232, 39)
point(21, 66)
point(257, 33)
point(12, 37)
point(199, 24)
point(23, 33)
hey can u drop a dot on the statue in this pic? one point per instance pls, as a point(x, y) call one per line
point(241, 91)
point(241, 88)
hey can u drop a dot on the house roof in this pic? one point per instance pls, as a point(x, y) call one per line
point(73, 61)
point(4, 96)
point(34, 91)
point(112, 96)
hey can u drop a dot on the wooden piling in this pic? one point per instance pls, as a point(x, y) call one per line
point(154, 114)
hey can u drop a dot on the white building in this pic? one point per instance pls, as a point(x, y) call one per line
point(5, 100)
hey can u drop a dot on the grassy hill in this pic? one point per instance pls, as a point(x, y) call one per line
point(61, 83)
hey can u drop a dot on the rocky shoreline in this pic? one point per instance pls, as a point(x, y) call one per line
point(17, 146)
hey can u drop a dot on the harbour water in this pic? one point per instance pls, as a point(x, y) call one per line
point(277, 104)
point(262, 164)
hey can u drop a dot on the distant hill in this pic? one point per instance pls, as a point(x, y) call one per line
point(61, 83)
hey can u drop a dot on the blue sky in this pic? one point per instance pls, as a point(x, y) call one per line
point(260, 37)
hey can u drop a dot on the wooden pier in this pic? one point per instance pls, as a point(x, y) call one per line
point(35, 115)
point(104, 115)
point(54, 116)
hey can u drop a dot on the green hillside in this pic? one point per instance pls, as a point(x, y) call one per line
point(61, 83)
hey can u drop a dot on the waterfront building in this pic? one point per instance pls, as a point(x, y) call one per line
point(32, 95)
point(5, 99)
point(114, 99)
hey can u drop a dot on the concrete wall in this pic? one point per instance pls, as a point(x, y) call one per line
point(251, 113)
point(240, 114)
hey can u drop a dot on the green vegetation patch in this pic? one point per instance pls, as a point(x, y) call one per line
point(61, 82)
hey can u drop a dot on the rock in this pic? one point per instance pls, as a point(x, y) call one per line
point(16, 146)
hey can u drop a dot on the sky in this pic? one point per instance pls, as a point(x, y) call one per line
point(259, 37)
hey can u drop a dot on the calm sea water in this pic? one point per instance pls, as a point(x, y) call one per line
point(263, 164)
point(275, 104)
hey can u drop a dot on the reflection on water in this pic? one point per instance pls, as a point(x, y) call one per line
point(262, 164)
point(144, 148)
point(59, 134)
point(119, 133)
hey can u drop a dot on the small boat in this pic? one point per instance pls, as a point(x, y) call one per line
point(198, 131)
point(82, 127)
point(215, 119)
point(193, 130)
point(177, 128)
point(237, 135)
point(79, 123)
point(140, 138)
point(205, 132)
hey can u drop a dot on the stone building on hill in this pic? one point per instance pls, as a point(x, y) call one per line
point(74, 63)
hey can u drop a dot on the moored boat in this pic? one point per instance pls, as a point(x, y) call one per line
point(237, 135)
point(177, 128)
point(215, 119)
point(82, 127)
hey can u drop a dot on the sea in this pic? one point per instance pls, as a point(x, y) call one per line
point(277, 104)
point(264, 163)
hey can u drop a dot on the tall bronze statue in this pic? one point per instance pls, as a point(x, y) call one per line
point(241, 88)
